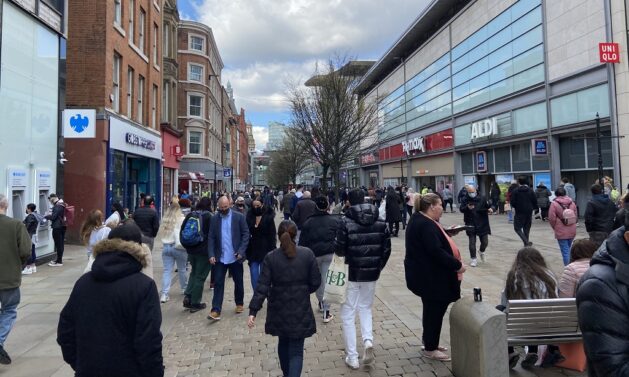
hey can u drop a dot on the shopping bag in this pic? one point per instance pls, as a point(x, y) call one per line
point(507, 207)
point(336, 281)
point(382, 211)
point(575, 356)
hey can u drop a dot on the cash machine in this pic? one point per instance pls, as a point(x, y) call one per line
point(17, 179)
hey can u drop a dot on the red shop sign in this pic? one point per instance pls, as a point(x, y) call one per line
point(609, 52)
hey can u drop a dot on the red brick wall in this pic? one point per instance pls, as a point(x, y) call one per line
point(243, 158)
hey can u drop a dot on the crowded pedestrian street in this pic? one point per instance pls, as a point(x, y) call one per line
point(195, 346)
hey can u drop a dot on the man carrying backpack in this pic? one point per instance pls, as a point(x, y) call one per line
point(194, 238)
point(562, 216)
point(58, 225)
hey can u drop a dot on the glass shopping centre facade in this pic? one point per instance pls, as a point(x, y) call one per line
point(490, 81)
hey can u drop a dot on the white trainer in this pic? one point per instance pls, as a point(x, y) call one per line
point(27, 271)
point(368, 356)
point(474, 262)
point(164, 298)
point(352, 363)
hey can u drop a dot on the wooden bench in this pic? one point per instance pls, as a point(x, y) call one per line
point(547, 321)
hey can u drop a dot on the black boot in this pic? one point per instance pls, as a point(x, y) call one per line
point(4, 357)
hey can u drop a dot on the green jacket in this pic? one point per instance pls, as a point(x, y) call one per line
point(15, 249)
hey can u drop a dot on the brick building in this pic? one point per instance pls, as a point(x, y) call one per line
point(171, 134)
point(199, 108)
point(113, 67)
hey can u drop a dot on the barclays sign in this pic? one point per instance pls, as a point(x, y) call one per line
point(79, 123)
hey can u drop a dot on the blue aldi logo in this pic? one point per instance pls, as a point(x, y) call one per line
point(79, 123)
point(481, 162)
point(540, 147)
point(227, 172)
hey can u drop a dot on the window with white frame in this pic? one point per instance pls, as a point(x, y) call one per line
point(117, 12)
point(142, 30)
point(154, 107)
point(140, 98)
point(195, 142)
point(195, 72)
point(197, 43)
point(116, 82)
point(195, 105)
point(132, 21)
point(155, 31)
point(130, 76)
point(165, 101)
point(166, 40)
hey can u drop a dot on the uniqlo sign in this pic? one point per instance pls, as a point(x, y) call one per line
point(609, 52)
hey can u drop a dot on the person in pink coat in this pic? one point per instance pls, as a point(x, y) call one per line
point(563, 233)
point(580, 255)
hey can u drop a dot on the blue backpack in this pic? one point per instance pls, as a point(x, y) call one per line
point(191, 233)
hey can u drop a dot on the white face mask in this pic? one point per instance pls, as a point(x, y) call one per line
point(471, 194)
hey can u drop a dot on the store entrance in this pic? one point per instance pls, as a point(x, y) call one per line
point(137, 180)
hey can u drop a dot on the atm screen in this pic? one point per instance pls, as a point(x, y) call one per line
point(18, 206)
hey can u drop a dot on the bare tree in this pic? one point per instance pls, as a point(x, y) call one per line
point(287, 162)
point(330, 121)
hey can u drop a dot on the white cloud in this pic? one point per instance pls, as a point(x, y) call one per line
point(261, 136)
point(264, 43)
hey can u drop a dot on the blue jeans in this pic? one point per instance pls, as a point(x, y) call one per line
point(220, 270)
point(255, 268)
point(564, 246)
point(9, 300)
point(324, 265)
point(170, 256)
point(510, 213)
point(291, 355)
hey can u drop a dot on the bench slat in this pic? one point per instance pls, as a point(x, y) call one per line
point(525, 330)
point(542, 314)
point(543, 302)
point(535, 324)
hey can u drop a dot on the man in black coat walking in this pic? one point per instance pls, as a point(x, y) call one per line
point(599, 214)
point(475, 210)
point(147, 220)
point(110, 325)
point(523, 201)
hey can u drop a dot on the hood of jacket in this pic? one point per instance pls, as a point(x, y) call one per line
point(603, 198)
point(523, 188)
point(116, 258)
point(563, 200)
point(363, 214)
point(614, 252)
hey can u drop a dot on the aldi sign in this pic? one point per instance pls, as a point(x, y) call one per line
point(539, 147)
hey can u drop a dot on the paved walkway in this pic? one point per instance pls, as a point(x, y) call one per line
point(193, 346)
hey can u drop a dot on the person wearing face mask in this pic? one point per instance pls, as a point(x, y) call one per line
point(239, 205)
point(260, 220)
point(475, 210)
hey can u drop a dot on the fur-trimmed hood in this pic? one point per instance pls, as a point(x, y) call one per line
point(141, 253)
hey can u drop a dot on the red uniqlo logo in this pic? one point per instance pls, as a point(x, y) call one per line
point(608, 52)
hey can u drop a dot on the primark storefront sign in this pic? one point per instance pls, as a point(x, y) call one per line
point(414, 145)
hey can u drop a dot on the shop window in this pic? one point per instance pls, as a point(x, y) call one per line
point(502, 160)
point(530, 118)
point(541, 163)
point(581, 106)
point(467, 163)
point(195, 142)
point(606, 150)
point(521, 155)
point(572, 153)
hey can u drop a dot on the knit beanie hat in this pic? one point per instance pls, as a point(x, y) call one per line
point(129, 231)
point(321, 202)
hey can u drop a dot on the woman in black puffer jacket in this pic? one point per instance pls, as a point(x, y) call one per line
point(603, 307)
point(289, 275)
point(261, 223)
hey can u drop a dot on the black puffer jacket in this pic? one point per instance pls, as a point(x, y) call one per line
point(478, 216)
point(263, 238)
point(57, 215)
point(600, 214)
point(288, 283)
point(619, 220)
point(364, 242)
point(430, 266)
point(319, 232)
point(543, 196)
point(603, 305)
point(147, 219)
point(110, 326)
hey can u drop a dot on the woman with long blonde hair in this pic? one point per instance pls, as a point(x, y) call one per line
point(172, 252)
point(93, 230)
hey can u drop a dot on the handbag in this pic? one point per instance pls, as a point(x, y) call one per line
point(507, 207)
point(336, 281)
point(575, 356)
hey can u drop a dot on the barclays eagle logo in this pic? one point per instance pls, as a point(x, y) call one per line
point(79, 123)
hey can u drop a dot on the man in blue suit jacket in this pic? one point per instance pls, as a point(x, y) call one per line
point(228, 240)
